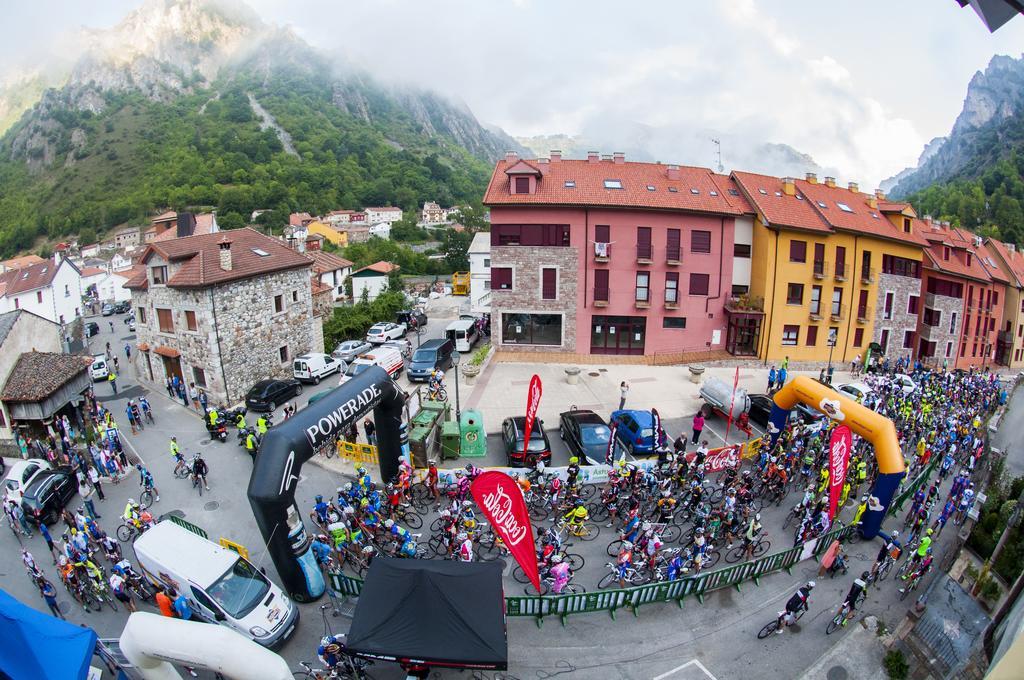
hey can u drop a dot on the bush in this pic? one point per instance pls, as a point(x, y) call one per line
point(895, 664)
point(353, 322)
point(480, 354)
point(993, 516)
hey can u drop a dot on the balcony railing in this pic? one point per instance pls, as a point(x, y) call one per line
point(601, 296)
point(1005, 336)
point(672, 299)
point(602, 251)
point(867, 275)
point(644, 252)
point(838, 312)
point(863, 313)
point(642, 298)
point(745, 303)
point(672, 255)
point(815, 313)
point(819, 269)
point(840, 274)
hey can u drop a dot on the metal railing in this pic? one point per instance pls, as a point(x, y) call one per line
point(837, 312)
point(820, 269)
point(864, 313)
point(840, 274)
point(644, 251)
point(867, 275)
point(672, 254)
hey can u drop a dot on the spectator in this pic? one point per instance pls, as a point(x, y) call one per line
point(371, 432)
point(127, 351)
point(623, 391)
point(49, 594)
point(698, 426)
point(112, 379)
point(193, 394)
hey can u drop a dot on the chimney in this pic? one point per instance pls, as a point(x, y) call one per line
point(225, 253)
point(811, 177)
point(873, 202)
point(879, 194)
point(1011, 247)
point(619, 158)
point(789, 186)
point(928, 220)
point(186, 224)
point(853, 186)
point(556, 155)
point(511, 157)
point(673, 172)
point(830, 182)
point(593, 157)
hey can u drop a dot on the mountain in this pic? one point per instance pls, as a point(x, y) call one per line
point(930, 149)
point(200, 103)
point(974, 177)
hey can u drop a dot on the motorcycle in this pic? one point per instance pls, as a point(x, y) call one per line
point(234, 415)
point(220, 430)
point(243, 434)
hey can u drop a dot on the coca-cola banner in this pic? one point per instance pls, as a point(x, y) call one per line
point(838, 458)
point(532, 404)
point(502, 502)
point(720, 459)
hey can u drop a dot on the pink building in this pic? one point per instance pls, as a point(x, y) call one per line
point(601, 256)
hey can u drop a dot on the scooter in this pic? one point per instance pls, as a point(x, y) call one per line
point(220, 430)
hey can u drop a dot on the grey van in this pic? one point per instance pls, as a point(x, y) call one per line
point(430, 355)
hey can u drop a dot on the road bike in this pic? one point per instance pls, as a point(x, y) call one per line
point(580, 530)
point(181, 470)
point(789, 619)
point(760, 546)
point(146, 497)
point(845, 614)
point(912, 584)
point(547, 584)
point(402, 513)
point(128, 531)
point(634, 575)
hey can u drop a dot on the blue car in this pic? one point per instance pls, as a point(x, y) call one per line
point(635, 431)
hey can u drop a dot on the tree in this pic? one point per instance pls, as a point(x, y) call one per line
point(471, 218)
point(456, 249)
point(231, 220)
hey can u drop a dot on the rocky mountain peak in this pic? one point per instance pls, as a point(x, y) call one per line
point(993, 95)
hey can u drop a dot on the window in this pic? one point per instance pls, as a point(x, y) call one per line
point(165, 319)
point(67, 290)
point(672, 246)
point(995, 298)
point(883, 339)
point(613, 184)
point(259, 252)
point(945, 252)
point(672, 288)
point(812, 336)
point(865, 264)
point(603, 233)
point(974, 350)
point(739, 289)
point(39, 296)
point(282, 353)
point(643, 287)
point(837, 301)
point(601, 285)
point(190, 320)
point(963, 349)
point(969, 260)
point(795, 294)
point(840, 261)
point(141, 312)
point(570, 184)
point(946, 288)
point(522, 185)
point(699, 284)
point(790, 335)
point(676, 322)
point(858, 337)
point(530, 235)
point(549, 283)
point(949, 349)
point(159, 275)
point(278, 304)
point(741, 250)
point(908, 339)
point(700, 241)
point(17, 303)
point(912, 304)
point(816, 300)
point(644, 251)
point(798, 251)
point(901, 266)
point(295, 296)
point(199, 377)
point(887, 310)
point(531, 329)
point(501, 278)
point(932, 317)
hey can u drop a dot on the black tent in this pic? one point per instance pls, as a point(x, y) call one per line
point(433, 612)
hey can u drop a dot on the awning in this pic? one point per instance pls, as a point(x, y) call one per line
point(168, 352)
point(142, 347)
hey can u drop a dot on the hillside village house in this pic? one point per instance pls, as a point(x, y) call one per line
point(338, 238)
point(388, 215)
point(300, 219)
point(223, 311)
point(121, 262)
point(337, 217)
point(21, 331)
point(371, 280)
point(51, 289)
point(381, 230)
point(175, 225)
point(19, 262)
point(107, 286)
point(330, 271)
point(1010, 340)
point(357, 233)
point(480, 273)
point(127, 238)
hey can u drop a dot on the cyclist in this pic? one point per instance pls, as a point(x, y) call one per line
point(572, 472)
point(146, 481)
point(176, 454)
point(624, 561)
point(850, 603)
point(799, 602)
point(251, 442)
point(922, 569)
point(923, 549)
point(576, 517)
point(892, 546)
point(751, 535)
point(131, 513)
point(320, 508)
point(436, 384)
point(465, 547)
point(261, 425)
point(332, 650)
point(147, 411)
point(560, 572)
point(199, 471)
point(432, 478)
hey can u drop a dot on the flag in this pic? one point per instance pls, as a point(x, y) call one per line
point(502, 502)
point(532, 403)
point(838, 458)
point(659, 434)
point(609, 457)
point(732, 404)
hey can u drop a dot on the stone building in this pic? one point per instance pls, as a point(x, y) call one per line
point(224, 311)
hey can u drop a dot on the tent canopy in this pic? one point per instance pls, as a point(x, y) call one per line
point(38, 646)
point(437, 612)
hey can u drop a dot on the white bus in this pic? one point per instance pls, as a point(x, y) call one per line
point(463, 333)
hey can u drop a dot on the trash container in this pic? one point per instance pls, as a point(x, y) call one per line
point(441, 407)
point(451, 440)
point(474, 439)
point(418, 444)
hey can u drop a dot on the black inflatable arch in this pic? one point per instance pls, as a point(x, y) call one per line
point(288, 445)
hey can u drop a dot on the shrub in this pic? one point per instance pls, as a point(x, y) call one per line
point(895, 664)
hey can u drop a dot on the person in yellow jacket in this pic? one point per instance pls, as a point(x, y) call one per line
point(213, 416)
point(860, 510)
point(112, 379)
point(261, 425)
point(824, 480)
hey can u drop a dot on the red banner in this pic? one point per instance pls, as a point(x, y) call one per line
point(532, 404)
point(720, 459)
point(838, 458)
point(732, 403)
point(502, 502)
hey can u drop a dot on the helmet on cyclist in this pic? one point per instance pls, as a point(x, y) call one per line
point(746, 473)
point(469, 467)
point(319, 498)
point(131, 501)
point(326, 640)
point(930, 531)
point(467, 504)
point(646, 526)
point(360, 470)
point(321, 537)
point(865, 575)
point(432, 463)
point(389, 523)
point(929, 551)
point(573, 460)
point(895, 533)
point(138, 466)
point(757, 517)
point(627, 545)
point(555, 559)
point(365, 502)
point(699, 530)
point(348, 486)
point(446, 513)
point(458, 473)
point(372, 486)
point(368, 550)
point(810, 585)
point(864, 498)
point(349, 510)
point(462, 536)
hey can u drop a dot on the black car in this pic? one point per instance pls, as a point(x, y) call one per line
point(266, 395)
point(585, 433)
point(91, 328)
point(47, 495)
point(512, 431)
point(412, 318)
point(122, 307)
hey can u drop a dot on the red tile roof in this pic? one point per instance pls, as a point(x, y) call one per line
point(92, 271)
point(381, 267)
point(327, 262)
point(589, 189)
point(198, 258)
point(766, 195)
point(961, 242)
point(21, 261)
point(893, 206)
point(1011, 260)
point(164, 217)
point(34, 276)
point(204, 225)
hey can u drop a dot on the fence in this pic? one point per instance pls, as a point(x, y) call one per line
point(358, 453)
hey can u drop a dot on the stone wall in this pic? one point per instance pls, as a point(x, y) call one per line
point(902, 288)
point(940, 334)
point(525, 296)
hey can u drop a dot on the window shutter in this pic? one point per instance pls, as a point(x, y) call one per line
point(522, 185)
point(700, 241)
point(699, 284)
point(601, 285)
point(819, 252)
point(812, 336)
point(798, 251)
point(603, 233)
point(501, 278)
point(549, 285)
point(643, 243)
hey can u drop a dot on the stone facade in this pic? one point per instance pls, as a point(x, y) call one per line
point(940, 334)
point(902, 287)
point(238, 336)
point(526, 293)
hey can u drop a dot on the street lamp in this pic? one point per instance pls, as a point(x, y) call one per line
point(455, 365)
point(832, 338)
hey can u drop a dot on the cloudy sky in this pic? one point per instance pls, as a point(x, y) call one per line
point(858, 86)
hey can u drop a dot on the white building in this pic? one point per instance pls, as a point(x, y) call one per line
point(373, 279)
point(331, 271)
point(480, 273)
point(389, 215)
point(336, 217)
point(120, 262)
point(51, 289)
point(91, 250)
point(381, 230)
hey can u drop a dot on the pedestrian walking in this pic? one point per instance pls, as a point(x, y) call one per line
point(86, 492)
point(169, 384)
point(698, 426)
point(193, 394)
point(782, 376)
point(371, 432)
point(49, 594)
point(112, 379)
point(127, 351)
point(202, 400)
point(19, 516)
point(131, 417)
point(772, 376)
point(111, 330)
point(623, 391)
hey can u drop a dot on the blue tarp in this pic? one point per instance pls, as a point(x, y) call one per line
point(38, 646)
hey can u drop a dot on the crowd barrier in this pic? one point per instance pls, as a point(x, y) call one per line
point(358, 453)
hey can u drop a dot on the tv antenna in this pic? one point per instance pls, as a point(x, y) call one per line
point(718, 144)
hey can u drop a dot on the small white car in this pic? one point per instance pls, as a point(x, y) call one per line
point(382, 332)
point(99, 369)
point(905, 382)
point(21, 475)
point(857, 391)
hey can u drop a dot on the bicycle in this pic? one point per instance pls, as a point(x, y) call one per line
point(438, 394)
point(411, 518)
point(146, 498)
point(789, 618)
point(761, 545)
point(915, 580)
point(634, 575)
point(548, 582)
point(181, 470)
point(580, 530)
point(844, 615)
point(128, 531)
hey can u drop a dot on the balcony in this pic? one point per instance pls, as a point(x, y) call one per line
point(867, 276)
point(840, 273)
point(602, 252)
point(601, 297)
point(864, 313)
point(1005, 336)
point(820, 269)
point(644, 253)
point(642, 299)
point(815, 313)
point(745, 304)
point(932, 333)
point(838, 312)
point(671, 301)
point(672, 256)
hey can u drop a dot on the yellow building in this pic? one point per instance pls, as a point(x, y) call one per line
point(820, 253)
point(338, 238)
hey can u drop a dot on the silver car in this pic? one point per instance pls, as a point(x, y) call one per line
point(350, 349)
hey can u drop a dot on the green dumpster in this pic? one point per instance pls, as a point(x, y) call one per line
point(474, 439)
point(436, 407)
point(451, 440)
point(419, 444)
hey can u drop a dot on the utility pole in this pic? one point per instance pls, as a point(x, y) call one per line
point(718, 144)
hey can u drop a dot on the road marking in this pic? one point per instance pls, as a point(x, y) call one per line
point(691, 662)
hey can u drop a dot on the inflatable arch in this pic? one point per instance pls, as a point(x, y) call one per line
point(286, 446)
point(861, 420)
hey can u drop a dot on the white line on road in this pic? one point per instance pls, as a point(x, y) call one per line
point(691, 662)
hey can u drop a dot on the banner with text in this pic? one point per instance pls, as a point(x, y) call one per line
point(838, 459)
point(532, 404)
point(502, 502)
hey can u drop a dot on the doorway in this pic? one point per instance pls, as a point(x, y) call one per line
point(617, 334)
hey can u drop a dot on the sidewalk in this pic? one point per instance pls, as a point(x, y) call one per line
point(857, 655)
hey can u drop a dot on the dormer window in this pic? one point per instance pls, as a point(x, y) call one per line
point(159, 275)
point(945, 253)
point(969, 259)
point(522, 185)
point(613, 184)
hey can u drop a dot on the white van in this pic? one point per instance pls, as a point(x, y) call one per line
point(220, 585)
point(311, 367)
point(99, 370)
point(388, 358)
point(463, 333)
